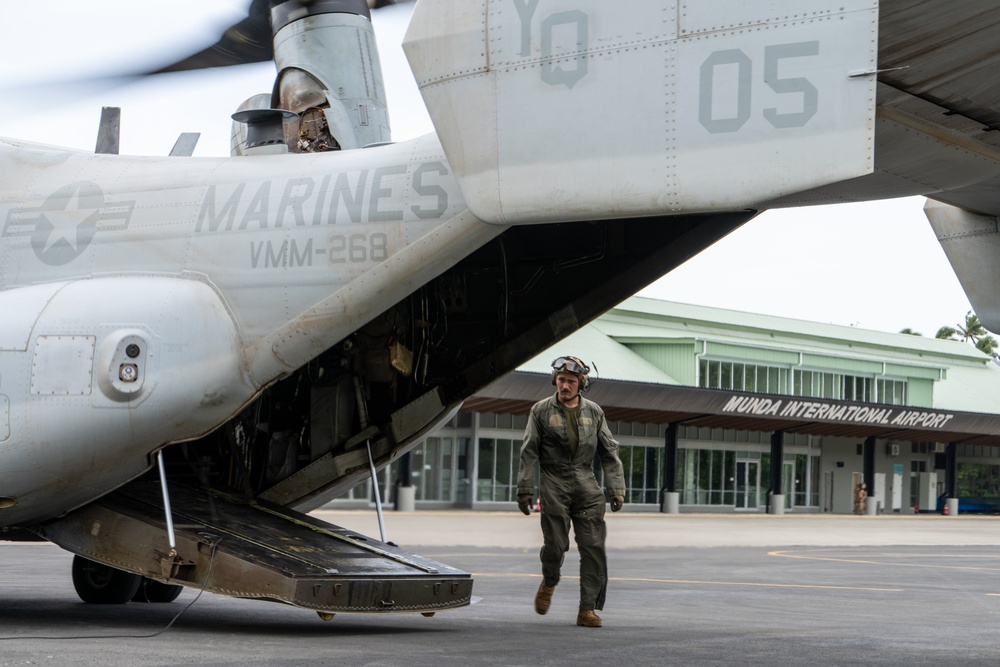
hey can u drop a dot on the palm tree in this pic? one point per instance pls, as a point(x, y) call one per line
point(987, 345)
point(910, 332)
point(973, 329)
point(946, 333)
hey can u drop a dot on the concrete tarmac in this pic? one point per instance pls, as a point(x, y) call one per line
point(628, 530)
point(684, 590)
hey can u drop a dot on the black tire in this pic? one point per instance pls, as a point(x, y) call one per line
point(96, 583)
point(151, 590)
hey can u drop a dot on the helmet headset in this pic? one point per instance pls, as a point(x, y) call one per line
point(573, 366)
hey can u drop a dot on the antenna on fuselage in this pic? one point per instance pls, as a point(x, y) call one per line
point(185, 144)
point(109, 131)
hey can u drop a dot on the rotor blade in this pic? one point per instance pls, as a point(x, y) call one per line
point(249, 41)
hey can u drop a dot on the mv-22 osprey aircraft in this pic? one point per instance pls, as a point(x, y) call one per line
point(195, 352)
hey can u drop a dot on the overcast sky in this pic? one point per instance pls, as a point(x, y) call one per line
point(875, 265)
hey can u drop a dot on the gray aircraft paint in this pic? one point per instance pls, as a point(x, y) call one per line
point(230, 273)
point(212, 268)
point(552, 111)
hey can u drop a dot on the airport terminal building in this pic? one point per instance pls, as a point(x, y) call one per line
point(724, 411)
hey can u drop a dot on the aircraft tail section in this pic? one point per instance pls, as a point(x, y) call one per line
point(588, 109)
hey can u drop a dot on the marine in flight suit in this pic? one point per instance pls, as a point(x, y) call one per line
point(564, 433)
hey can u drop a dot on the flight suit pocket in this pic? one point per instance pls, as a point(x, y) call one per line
point(589, 527)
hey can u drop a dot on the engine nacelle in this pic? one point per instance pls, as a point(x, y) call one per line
point(329, 76)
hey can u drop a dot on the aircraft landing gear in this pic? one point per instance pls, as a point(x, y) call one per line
point(151, 590)
point(100, 584)
point(96, 583)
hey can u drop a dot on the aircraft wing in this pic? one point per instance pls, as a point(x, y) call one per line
point(941, 76)
point(937, 109)
point(940, 86)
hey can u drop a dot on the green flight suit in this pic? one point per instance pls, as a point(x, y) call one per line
point(568, 489)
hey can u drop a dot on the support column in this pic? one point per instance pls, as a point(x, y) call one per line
point(406, 493)
point(951, 478)
point(868, 474)
point(474, 458)
point(776, 501)
point(670, 503)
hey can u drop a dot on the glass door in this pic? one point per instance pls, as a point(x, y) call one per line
point(788, 484)
point(747, 485)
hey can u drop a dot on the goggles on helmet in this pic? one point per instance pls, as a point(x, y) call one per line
point(571, 365)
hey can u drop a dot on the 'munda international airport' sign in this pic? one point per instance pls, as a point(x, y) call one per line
point(837, 412)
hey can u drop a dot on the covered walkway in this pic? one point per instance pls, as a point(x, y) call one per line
point(779, 415)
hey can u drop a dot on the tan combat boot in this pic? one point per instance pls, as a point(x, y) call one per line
point(588, 619)
point(543, 598)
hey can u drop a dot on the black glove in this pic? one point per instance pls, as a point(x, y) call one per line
point(524, 503)
point(616, 503)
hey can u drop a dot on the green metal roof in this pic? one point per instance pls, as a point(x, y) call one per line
point(612, 360)
point(641, 317)
point(964, 378)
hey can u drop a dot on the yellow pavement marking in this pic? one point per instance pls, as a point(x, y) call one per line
point(807, 555)
point(518, 575)
point(533, 553)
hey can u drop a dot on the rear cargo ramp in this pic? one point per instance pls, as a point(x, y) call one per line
point(256, 550)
